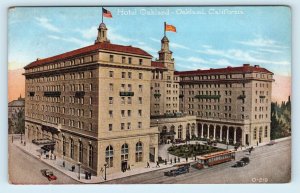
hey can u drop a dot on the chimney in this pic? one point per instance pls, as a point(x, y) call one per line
point(256, 66)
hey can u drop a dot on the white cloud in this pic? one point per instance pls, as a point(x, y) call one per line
point(270, 50)
point(244, 56)
point(175, 45)
point(89, 32)
point(262, 42)
point(71, 40)
point(45, 23)
point(155, 40)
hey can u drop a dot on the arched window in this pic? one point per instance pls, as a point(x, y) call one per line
point(139, 152)
point(124, 152)
point(80, 152)
point(64, 145)
point(91, 156)
point(180, 132)
point(266, 131)
point(254, 133)
point(72, 149)
point(109, 156)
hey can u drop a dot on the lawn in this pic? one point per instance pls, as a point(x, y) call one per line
point(192, 150)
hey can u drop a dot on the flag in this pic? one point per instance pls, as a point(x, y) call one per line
point(106, 13)
point(170, 28)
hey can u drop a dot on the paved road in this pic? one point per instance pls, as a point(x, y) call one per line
point(25, 169)
point(268, 164)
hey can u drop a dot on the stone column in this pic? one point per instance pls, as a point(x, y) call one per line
point(221, 134)
point(227, 135)
point(234, 136)
point(201, 130)
point(214, 132)
point(207, 132)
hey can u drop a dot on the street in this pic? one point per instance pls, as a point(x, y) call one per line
point(268, 164)
point(25, 169)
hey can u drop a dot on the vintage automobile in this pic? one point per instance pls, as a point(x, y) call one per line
point(243, 162)
point(49, 174)
point(181, 169)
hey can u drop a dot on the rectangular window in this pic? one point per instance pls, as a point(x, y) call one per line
point(122, 113)
point(140, 113)
point(111, 86)
point(110, 126)
point(110, 114)
point(140, 61)
point(123, 74)
point(129, 101)
point(129, 75)
point(139, 125)
point(129, 60)
point(129, 87)
point(111, 58)
point(129, 113)
point(122, 100)
point(111, 100)
point(140, 100)
point(141, 88)
point(128, 125)
point(140, 76)
point(111, 74)
point(123, 59)
point(122, 126)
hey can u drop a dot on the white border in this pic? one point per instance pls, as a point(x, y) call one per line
point(293, 186)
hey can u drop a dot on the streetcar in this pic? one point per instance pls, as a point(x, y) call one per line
point(215, 158)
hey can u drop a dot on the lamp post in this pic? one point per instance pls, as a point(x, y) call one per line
point(79, 170)
point(105, 165)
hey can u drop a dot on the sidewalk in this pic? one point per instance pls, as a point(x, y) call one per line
point(35, 150)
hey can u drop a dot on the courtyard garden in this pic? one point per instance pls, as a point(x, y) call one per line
point(190, 150)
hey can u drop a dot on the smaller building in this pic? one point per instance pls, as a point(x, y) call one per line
point(14, 108)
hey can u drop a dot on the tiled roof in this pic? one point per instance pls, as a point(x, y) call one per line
point(94, 47)
point(17, 103)
point(157, 64)
point(241, 69)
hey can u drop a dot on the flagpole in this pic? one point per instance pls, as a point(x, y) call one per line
point(102, 14)
point(165, 29)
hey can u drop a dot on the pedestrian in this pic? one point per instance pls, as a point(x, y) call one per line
point(178, 159)
point(186, 159)
point(148, 165)
point(171, 161)
point(175, 160)
point(257, 143)
point(157, 164)
point(73, 168)
point(64, 164)
point(165, 161)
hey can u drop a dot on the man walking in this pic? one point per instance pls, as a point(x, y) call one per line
point(148, 165)
point(157, 164)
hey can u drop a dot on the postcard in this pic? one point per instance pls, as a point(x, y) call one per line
point(148, 95)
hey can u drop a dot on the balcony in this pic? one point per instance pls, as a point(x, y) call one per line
point(262, 96)
point(181, 96)
point(157, 95)
point(208, 96)
point(79, 94)
point(126, 93)
point(52, 94)
point(242, 96)
point(31, 94)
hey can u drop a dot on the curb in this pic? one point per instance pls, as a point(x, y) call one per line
point(48, 164)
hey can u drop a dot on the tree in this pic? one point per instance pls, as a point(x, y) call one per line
point(20, 122)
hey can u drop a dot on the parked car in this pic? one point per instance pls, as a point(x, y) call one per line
point(49, 174)
point(243, 162)
point(180, 170)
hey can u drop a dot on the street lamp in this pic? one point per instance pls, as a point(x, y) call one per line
point(105, 165)
point(79, 170)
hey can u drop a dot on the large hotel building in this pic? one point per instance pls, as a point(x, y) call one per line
point(108, 105)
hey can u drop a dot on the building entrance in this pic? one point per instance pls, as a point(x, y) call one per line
point(124, 166)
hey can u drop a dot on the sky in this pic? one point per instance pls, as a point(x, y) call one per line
point(206, 37)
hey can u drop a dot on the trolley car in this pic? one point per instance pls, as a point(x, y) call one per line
point(211, 159)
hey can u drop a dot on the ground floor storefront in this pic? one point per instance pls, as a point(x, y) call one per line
point(99, 156)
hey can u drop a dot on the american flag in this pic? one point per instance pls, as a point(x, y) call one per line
point(106, 13)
